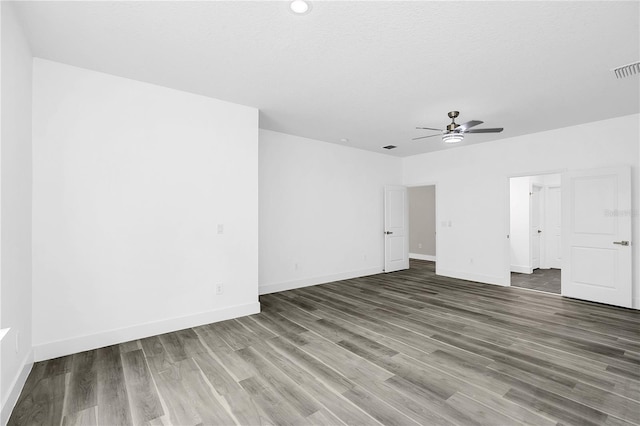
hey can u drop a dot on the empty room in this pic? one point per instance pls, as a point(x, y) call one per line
point(319, 213)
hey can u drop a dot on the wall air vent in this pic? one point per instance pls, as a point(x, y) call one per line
point(389, 147)
point(627, 70)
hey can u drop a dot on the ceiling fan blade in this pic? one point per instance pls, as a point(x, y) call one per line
point(469, 124)
point(429, 128)
point(489, 130)
point(423, 137)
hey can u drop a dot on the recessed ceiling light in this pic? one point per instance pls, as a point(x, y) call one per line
point(300, 7)
point(344, 140)
point(389, 147)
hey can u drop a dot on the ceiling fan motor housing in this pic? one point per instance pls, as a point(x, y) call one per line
point(452, 115)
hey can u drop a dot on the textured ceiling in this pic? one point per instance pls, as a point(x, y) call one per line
point(367, 71)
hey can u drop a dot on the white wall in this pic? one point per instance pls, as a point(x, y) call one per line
point(321, 211)
point(519, 232)
point(130, 181)
point(473, 189)
point(422, 222)
point(554, 179)
point(15, 210)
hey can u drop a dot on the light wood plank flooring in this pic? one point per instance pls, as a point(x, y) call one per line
point(396, 349)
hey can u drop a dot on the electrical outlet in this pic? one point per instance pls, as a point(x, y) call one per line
point(220, 228)
point(419, 245)
point(471, 260)
point(295, 266)
point(364, 257)
point(219, 289)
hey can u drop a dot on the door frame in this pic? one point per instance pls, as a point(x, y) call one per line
point(507, 225)
point(435, 185)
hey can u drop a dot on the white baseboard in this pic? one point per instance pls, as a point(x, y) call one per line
point(15, 389)
point(486, 279)
point(84, 343)
point(306, 282)
point(522, 269)
point(422, 257)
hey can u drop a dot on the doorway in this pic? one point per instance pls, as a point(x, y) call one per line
point(535, 232)
point(422, 223)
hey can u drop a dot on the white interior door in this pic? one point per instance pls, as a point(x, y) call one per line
point(553, 227)
point(535, 225)
point(396, 228)
point(596, 242)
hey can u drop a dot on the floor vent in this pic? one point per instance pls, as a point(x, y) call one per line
point(627, 70)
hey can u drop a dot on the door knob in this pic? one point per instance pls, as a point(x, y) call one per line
point(388, 232)
point(622, 243)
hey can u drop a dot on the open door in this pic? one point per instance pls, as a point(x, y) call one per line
point(396, 224)
point(553, 229)
point(535, 225)
point(596, 226)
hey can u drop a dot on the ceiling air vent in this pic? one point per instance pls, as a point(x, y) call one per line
point(627, 70)
point(389, 147)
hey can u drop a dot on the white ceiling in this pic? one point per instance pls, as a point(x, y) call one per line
point(367, 71)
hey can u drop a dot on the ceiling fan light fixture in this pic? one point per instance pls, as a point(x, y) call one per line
point(452, 137)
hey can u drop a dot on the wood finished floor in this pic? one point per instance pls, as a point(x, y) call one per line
point(396, 349)
point(541, 279)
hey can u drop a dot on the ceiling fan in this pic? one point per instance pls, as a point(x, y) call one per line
point(455, 132)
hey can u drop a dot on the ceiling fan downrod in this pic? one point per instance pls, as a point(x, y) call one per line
point(453, 115)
